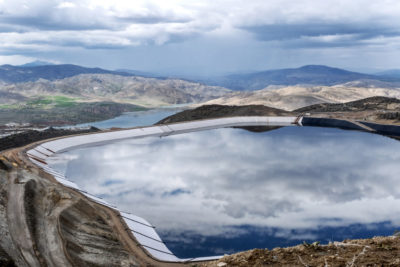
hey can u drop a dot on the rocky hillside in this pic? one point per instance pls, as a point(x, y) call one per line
point(295, 97)
point(371, 103)
point(142, 91)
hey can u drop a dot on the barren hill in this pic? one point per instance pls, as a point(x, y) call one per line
point(123, 89)
point(295, 97)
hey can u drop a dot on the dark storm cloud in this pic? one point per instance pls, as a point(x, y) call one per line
point(64, 23)
point(152, 19)
point(321, 34)
point(6, 27)
point(46, 23)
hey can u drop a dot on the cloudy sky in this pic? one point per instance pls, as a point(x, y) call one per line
point(202, 37)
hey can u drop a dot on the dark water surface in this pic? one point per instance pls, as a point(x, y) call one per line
point(227, 190)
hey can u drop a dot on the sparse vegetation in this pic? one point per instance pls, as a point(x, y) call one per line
point(8, 106)
point(57, 111)
point(390, 116)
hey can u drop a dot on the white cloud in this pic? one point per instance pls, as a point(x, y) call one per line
point(66, 5)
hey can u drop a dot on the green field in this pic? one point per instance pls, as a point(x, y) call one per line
point(51, 101)
point(43, 102)
point(8, 106)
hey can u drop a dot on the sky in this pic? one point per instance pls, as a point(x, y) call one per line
point(207, 37)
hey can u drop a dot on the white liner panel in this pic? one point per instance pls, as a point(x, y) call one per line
point(162, 256)
point(135, 218)
point(142, 230)
point(151, 243)
point(43, 151)
point(36, 154)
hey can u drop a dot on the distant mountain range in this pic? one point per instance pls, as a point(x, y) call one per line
point(309, 75)
point(36, 63)
point(390, 74)
point(306, 75)
point(141, 73)
point(26, 73)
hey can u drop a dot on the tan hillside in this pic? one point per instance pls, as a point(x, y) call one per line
point(143, 91)
point(294, 97)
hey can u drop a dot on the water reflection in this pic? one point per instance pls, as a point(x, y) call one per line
point(227, 190)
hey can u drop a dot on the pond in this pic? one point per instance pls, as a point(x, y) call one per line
point(227, 190)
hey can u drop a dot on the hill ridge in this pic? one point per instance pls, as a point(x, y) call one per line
point(304, 75)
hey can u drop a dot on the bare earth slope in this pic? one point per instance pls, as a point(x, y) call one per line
point(294, 97)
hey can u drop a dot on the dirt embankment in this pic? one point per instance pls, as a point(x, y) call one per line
point(220, 111)
point(31, 136)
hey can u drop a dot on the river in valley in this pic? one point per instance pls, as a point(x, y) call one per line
point(227, 190)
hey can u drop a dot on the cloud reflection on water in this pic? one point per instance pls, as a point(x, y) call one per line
point(213, 182)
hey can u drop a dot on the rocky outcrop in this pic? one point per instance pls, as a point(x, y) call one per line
point(89, 239)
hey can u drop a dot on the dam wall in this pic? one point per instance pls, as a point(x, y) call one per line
point(384, 129)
